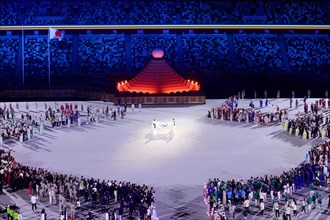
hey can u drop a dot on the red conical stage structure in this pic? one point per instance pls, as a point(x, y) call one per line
point(158, 77)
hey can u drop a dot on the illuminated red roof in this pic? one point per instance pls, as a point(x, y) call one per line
point(158, 77)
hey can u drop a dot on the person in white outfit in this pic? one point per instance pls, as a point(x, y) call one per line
point(246, 205)
point(34, 203)
point(288, 212)
point(276, 209)
point(20, 216)
point(294, 207)
point(50, 194)
point(43, 215)
point(262, 196)
point(140, 106)
point(115, 194)
point(231, 209)
point(262, 208)
point(53, 197)
point(154, 215)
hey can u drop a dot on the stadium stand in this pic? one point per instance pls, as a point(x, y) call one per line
point(61, 56)
point(308, 53)
point(258, 54)
point(155, 12)
point(100, 54)
point(189, 52)
point(35, 56)
point(8, 54)
point(37, 12)
point(206, 54)
point(304, 13)
point(8, 14)
point(142, 45)
point(47, 13)
point(253, 13)
point(198, 12)
point(102, 12)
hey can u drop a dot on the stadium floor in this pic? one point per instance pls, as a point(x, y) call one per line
point(176, 163)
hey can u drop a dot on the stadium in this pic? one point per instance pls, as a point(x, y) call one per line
point(164, 109)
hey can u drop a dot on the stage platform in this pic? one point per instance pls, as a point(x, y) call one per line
point(175, 99)
point(80, 94)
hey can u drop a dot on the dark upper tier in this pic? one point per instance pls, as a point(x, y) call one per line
point(34, 12)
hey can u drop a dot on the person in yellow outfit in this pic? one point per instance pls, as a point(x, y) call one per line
point(323, 133)
point(8, 209)
point(11, 213)
point(15, 215)
point(305, 134)
point(286, 125)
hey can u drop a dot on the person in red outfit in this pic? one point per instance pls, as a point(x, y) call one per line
point(30, 189)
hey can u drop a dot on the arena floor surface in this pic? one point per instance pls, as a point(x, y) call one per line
point(177, 162)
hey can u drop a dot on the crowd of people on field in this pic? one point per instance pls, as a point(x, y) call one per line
point(22, 124)
point(224, 196)
point(314, 123)
point(229, 110)
point(20, 128)
point(70, 192)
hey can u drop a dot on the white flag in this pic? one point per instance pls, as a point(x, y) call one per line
point(54, 33)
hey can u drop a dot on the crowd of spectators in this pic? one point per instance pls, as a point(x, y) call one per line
point(70, 192)
point(201, 53)
point(101, 12)
point(248, 12)
point(101, 55)
point(61, 56)
point(203, 12)
point(8, 54)
point(36, 57)
point(308, 54)
point(258, 54)
point(9, 15)
point(221, 194)
point(311, 12)
point(206, 54)
point(142, 46)
point(38, 12)
point(152, 12)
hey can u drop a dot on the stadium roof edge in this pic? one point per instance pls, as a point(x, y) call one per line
point(169, 27)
